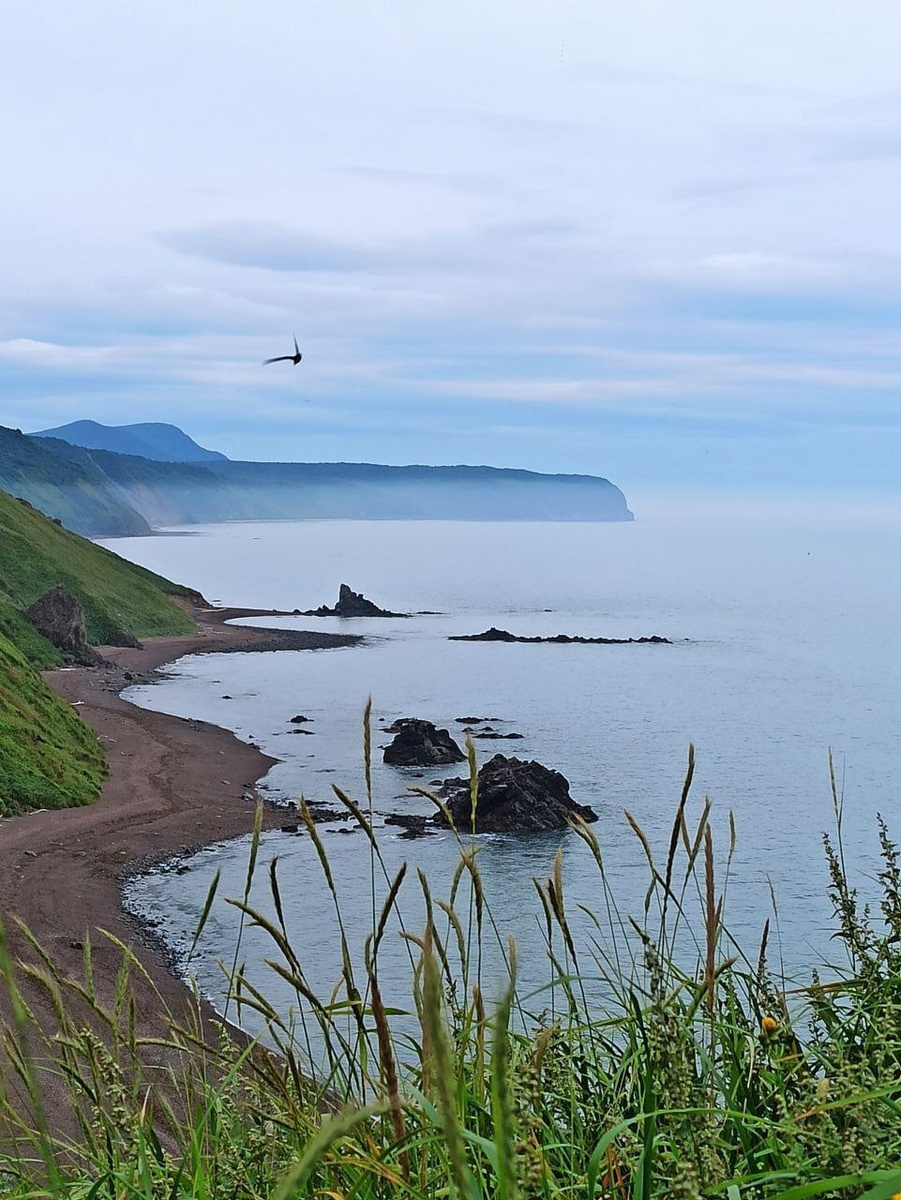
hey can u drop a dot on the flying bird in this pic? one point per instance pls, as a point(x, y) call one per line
point(291, 358)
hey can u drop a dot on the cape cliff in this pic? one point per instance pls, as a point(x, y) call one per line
point(99, 493)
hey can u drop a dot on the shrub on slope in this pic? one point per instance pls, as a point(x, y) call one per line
point(49, 758)
point(120, 600)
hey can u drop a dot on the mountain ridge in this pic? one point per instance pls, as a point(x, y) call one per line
point(147, 439)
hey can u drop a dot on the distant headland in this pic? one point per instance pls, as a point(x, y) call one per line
point(114, 481)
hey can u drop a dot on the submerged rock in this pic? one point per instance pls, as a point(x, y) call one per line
point(420, 744)
point(514, 796)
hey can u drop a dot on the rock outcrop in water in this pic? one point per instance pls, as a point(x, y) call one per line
point(59, 617)
point(420, 744)
point(559, 639)
point(514, 796)
point(350, 604)
point(414, 825)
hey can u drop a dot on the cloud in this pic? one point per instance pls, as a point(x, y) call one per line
point(553, 233)
point(274, 247)
point(476, 184)
point(46, 355)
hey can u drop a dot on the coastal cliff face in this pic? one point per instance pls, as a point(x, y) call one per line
point(64, 483)
point(99, 493)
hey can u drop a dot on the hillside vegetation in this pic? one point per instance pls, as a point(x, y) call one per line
point(49, 758)
point(121, 601)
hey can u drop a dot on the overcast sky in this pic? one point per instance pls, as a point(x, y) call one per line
point(647, 239)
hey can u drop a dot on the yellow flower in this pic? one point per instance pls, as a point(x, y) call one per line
point(768, 1026)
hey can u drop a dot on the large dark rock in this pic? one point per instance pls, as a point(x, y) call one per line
point(59, 617)
point(350, 604)
point(420, 744)
point(514, 795)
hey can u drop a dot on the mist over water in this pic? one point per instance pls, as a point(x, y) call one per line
point(785, 645)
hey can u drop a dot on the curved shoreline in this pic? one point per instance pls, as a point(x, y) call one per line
point(174, 784)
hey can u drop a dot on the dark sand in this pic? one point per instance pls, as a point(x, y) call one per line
point(174, 784)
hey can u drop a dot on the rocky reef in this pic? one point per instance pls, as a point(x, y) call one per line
point(559, 639)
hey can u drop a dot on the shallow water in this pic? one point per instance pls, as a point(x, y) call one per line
point(784, 645)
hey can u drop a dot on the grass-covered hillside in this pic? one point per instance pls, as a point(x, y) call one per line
point(49, 757)
point(120, 600)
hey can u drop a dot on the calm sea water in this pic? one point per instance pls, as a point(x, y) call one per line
point(785, 645)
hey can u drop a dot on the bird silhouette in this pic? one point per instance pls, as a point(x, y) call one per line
point(291, 358)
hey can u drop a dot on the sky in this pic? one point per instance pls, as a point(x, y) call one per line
point(649, 240)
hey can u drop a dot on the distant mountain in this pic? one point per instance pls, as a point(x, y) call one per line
point(100, 493)
point(163, 443)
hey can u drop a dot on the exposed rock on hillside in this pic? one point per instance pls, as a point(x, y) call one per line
point(514, 796)
point(59, 618)
point(420, 744)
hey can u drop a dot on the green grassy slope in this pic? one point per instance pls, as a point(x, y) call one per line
point(120, 600)
point(49, 758)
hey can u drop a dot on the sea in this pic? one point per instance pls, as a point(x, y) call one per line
point(784, 656)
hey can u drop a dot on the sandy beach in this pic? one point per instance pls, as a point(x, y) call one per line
point(173, 784)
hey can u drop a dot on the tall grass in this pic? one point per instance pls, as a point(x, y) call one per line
point(698, 1075)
